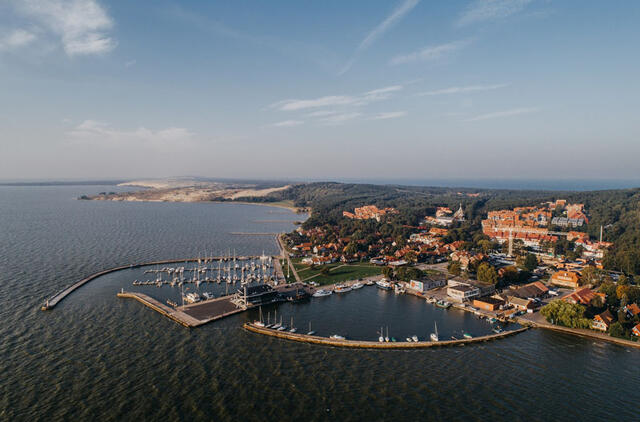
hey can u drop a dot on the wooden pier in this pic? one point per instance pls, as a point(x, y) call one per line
point(58, 297)
point(358, 344)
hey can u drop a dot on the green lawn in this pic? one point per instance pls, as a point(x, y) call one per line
point(337, 271)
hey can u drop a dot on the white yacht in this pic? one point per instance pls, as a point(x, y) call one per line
point(434, 336)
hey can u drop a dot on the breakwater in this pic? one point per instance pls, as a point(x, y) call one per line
point(58, 297)
point(358, 344)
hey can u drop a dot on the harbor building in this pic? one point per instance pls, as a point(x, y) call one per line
point(262, 294)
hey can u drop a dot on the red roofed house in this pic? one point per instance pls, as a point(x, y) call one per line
point(580, 297)
point(636, 330)
point(602, 321)
point(632, 310)
point(565, 279)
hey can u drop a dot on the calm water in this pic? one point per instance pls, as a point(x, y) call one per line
point(97, 356)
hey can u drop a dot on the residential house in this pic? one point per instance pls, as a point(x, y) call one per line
point(632, 310)
point(583, 296)
point(565, 279)
point(636, 330)
point(602, 321)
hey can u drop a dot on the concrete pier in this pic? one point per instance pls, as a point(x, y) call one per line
point(358, 344)
point(193, 315)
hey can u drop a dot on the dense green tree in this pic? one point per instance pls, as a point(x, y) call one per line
point(617, 330)
point(566, 314)
point(530, 262)
point(487, 274)
point(454, 268)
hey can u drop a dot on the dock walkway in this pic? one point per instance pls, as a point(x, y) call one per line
point(190, 316)
point(358, 344)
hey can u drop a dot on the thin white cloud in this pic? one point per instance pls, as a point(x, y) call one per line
point(505, 113)
point(462, 89)
point(388, 115)
point(17, 38)
point(430, 53)
point(322, 113)
point(101, 134)
point(130, 63)
point(337, 100)
point(288, 123)
point(339, 118)
point(485, 10)
point(379, 30)
point(81, 25)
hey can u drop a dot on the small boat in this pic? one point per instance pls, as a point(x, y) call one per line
point(414, 338)
point(310, 332)
point(409, 339)
point(342, 288)
point(498, 330)
point(370, 283)
point(381, 338)
point(434, 336)
point(383, 284)
point(336, 337)
point(492, 320)
point(386, 338)
point(322, 292)
point(292, 329)
point(443, 304)
point(357, 286)
point(259, 322)
point(208, 295)
point(192, 297)
point(467, 335)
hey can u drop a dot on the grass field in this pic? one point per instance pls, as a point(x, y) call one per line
point(337, 271)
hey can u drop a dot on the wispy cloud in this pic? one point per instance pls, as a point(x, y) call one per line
point(430, 53)
point(485, 10)
point(81, 25)
point(322, 113)
point(17, 38)
point(337, 100)
point(388, 115)
point(505, 113)
point(101, 134)
point(288, 123)
point(130, 63)
point(339, 118)
point(462, 89)
point(379, 30)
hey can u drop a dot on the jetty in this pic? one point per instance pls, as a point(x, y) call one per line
point(193, 315)
point(360, 344)
point(54, 300)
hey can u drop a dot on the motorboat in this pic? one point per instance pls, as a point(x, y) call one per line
point(357, 286)
point(322, 292)
point(337, 337)
point(383, 284)
point(342, 288)
point(443, 304)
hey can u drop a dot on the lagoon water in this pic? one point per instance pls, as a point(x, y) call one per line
point(96, 356)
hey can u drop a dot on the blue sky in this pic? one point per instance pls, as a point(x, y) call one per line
point(402, 89)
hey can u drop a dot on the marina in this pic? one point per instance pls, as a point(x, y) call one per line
point(276, 277)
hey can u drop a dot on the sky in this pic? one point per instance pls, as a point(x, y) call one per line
point(384, 90)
